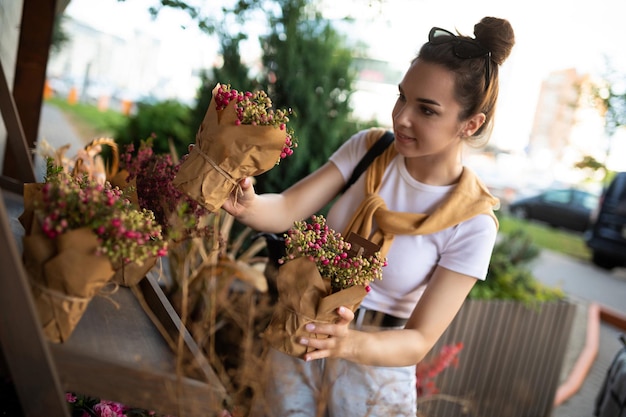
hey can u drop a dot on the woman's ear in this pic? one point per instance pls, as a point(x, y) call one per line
point(473, 124)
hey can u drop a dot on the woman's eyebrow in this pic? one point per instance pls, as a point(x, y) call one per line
point(421, 100)
point(428, 101)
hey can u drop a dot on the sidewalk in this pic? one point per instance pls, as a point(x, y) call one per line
point(586, 286)
point(55, 129)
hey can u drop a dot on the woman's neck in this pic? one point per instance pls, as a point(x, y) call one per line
point(434, 172)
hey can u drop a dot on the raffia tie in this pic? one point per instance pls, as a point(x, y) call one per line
point(229, 178)
point(102, 292)
point(302, 316)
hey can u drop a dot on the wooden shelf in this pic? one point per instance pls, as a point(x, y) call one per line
point(121, 350)
point(132, 359)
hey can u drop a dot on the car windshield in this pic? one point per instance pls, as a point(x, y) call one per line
point(558, 196)
point(589, 201)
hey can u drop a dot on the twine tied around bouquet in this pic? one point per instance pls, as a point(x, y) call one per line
point(102, 292)
point(303, 316)
point(229, 178)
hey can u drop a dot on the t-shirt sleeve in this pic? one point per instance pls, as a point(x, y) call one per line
point(469, 252)
point(348, 155)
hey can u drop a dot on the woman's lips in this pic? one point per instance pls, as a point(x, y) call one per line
point(403, 138)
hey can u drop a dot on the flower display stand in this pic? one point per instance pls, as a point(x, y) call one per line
point(123, 348)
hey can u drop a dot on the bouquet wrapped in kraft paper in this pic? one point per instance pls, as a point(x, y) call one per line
point(240, 136)
point(65, 275)
point(76, 232)
point(88, 164)
point(320, 273)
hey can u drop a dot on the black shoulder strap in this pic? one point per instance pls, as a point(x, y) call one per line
point(379, 147)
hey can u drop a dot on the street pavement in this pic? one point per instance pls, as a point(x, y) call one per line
point(584, 284)
point(57, 131)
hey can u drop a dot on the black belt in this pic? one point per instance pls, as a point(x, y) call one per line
point(365, 317)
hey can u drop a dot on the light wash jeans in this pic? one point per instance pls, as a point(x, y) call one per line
point(334, 388)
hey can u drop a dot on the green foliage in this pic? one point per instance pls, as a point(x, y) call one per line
point(165, 121)
point(232, 72)
point(309, 70)
point(546, 237)
point(316, 85)
point(103, 122)
point(509, 277)
point(59, 36)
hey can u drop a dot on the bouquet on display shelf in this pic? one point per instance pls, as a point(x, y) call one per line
point(79, 233)
point(320, 272)
point(151, 175)
point(240, 136)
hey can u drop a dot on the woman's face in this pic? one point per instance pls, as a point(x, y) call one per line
point(425, 116)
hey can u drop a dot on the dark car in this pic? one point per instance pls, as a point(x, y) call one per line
point(607, 236)
point(567, 208)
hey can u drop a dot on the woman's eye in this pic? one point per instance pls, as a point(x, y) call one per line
point(401, 97)
point(427, 111)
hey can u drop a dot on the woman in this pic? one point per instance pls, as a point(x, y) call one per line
point(431, 215)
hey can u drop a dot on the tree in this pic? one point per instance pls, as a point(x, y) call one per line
point(612, 102)
point(317, 84)
point(308, 68)
point(232, 72)
point(59, 36)
point(609, 97)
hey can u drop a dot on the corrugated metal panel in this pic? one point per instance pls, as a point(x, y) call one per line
point(510, 363)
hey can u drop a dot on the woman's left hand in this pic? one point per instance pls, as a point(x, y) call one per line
point(336, 345)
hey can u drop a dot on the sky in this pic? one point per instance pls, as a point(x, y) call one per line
point(551, 35)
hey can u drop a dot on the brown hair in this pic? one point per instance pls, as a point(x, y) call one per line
point(494, 34)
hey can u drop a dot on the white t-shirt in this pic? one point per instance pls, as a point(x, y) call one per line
point(465, 248)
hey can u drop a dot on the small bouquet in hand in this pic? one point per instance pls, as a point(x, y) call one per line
point(321, 272)
point(77, 233)
point(240, 136)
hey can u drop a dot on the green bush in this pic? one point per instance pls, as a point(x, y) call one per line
point(165, 121)
point(509, 277)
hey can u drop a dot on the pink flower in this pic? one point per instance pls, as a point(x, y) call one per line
point(109, 409)
point(255, 109)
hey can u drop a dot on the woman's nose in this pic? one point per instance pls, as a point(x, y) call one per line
point(399, 115)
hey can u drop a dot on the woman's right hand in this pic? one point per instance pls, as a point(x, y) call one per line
point(241, 198)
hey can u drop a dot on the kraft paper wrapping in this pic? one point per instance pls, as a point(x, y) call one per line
point(131, 274)
point(303, 297)
point(65, 275)
point(224, 154)
point(32, 194)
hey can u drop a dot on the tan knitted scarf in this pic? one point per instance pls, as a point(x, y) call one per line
point(469, 198)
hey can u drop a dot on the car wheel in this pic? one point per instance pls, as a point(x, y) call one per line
point(520, 212)
point(603, 261)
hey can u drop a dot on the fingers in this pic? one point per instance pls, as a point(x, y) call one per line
point(236, 204)
point(245, 183)
point(345, 314)
point(337, 329)
point(330, 345)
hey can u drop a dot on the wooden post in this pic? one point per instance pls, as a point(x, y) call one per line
point(30, 72)
point(26, 352)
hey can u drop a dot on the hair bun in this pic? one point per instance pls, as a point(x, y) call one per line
point(496, 35)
